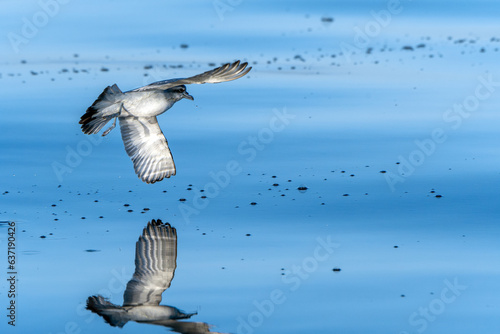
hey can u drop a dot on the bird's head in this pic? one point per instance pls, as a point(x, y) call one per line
point(178, 93)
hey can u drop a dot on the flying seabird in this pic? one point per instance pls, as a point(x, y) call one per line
point(137, 110)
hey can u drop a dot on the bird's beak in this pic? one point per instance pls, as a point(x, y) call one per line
point(187, 96)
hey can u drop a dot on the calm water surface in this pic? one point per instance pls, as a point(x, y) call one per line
point(386, 119)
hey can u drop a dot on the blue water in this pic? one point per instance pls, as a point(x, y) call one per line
point(402, 185)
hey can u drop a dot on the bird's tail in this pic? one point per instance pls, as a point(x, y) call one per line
point(112, 314)
point(106, 107)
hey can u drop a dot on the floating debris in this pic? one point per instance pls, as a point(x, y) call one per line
point(299, 57)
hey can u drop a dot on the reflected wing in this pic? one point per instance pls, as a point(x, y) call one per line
point(226, 72)
point(185, 327)
point(155, 262)
point(147, 147)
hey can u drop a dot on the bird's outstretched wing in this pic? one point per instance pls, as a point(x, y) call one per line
point(226, 72)
point(155, 262)
point(147, 147)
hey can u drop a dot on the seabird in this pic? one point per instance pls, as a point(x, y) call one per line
point(137, 110)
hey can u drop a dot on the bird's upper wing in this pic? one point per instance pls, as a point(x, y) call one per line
point(147, 147)
point(226, 72)
point(155, 262)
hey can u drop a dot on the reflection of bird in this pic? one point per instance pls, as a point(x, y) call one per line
point(155, 262)
point(137, 110)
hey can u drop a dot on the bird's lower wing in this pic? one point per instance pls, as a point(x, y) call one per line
point(226, 72)
point(155, 263)
point(147, 147)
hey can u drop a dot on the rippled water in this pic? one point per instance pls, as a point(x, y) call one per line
point(366, 137)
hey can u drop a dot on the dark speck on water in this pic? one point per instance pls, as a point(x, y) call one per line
point(92, 250)
point(182, 199)
point(253, 203)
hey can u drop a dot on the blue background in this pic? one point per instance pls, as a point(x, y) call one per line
point(364, 89)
